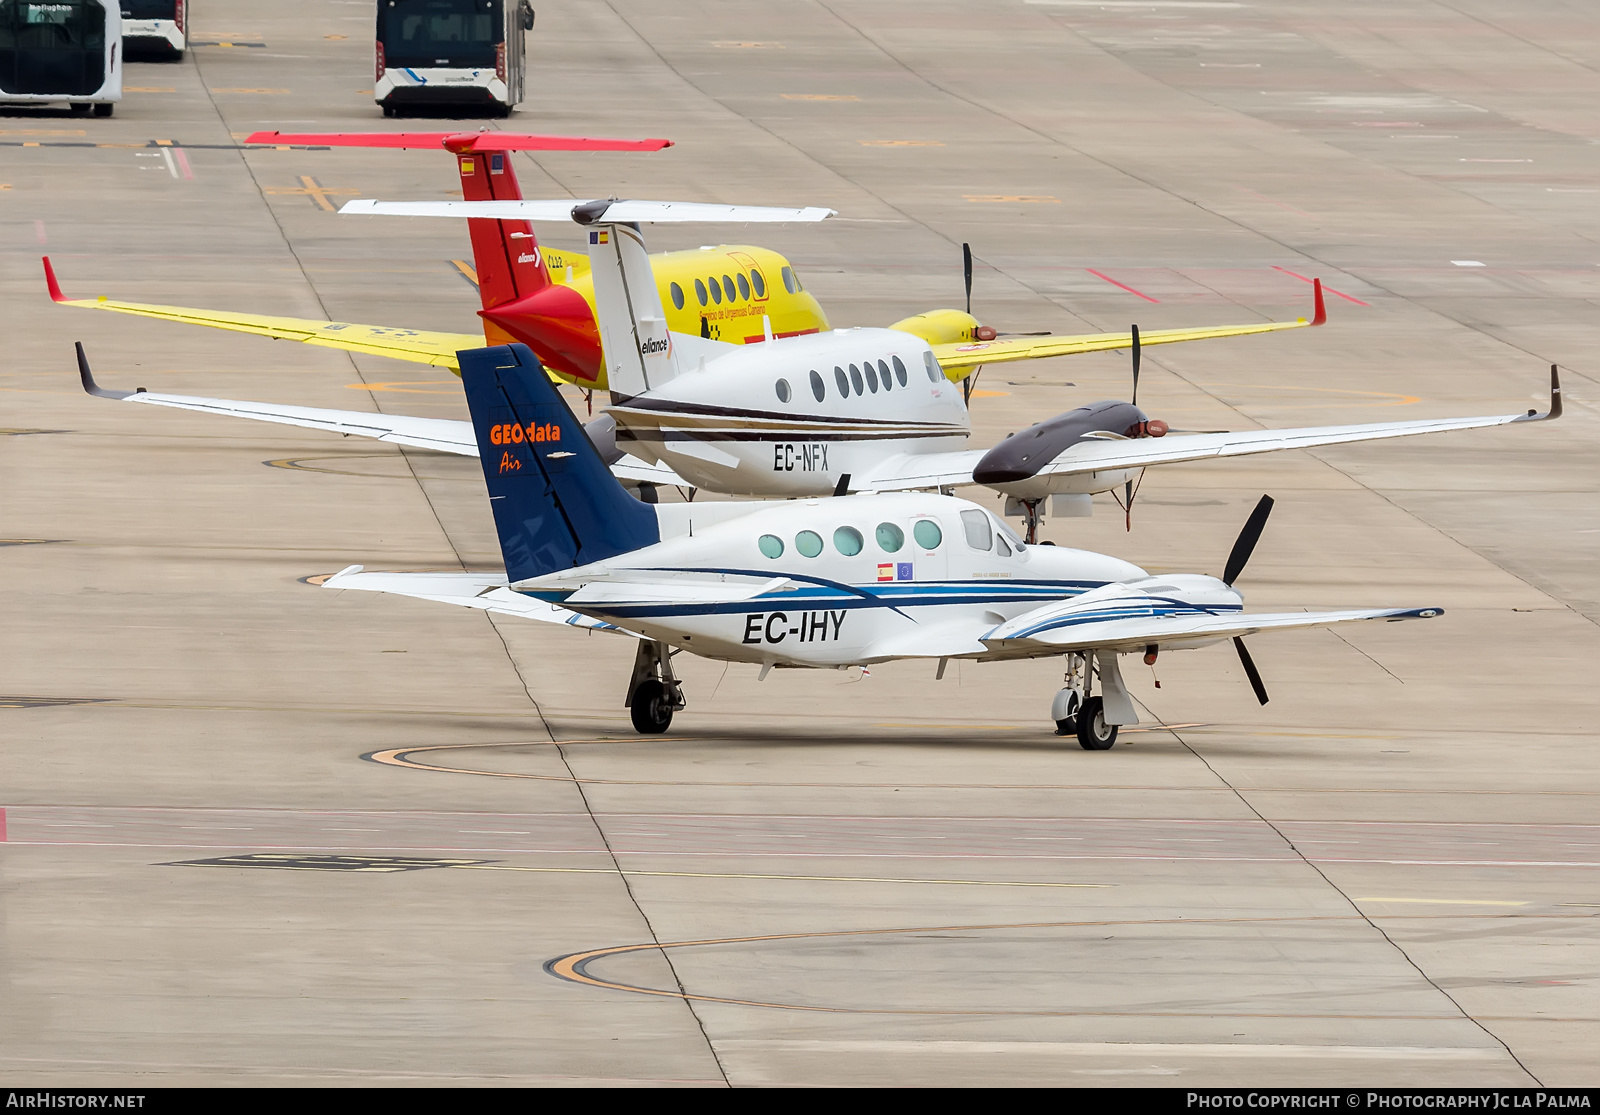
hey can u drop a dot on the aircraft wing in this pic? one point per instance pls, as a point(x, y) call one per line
point(1057, 627)
point(414, 345)
point(913, 471)
point(1120, 453)
point(487, 592)
point(445, 435)
point(967, 355)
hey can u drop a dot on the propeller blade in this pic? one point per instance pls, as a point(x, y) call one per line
point(1245, 544)
point(1135, 399)
point(966, 272)
point(1250, 670)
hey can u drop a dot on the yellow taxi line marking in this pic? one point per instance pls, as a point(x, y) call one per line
point(748, 45)
point(574, 966)
point(309, 187)
point(467, 271)
point(788, 878)
point(901, 142)
point(406, 387)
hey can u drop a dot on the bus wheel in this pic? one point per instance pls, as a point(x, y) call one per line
point(104, 110)
point(78, 108)
point(389, 112)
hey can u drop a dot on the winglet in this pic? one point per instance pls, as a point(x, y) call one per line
point(50, 281)
point(1555, 400)
point(87, 377)
point(1320, 316)
point(347, 571)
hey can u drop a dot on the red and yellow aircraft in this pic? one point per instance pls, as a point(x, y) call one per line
point(544, 297)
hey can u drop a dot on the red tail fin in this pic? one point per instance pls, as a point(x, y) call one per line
point(505, 253)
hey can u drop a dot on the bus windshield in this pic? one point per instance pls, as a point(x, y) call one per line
point(149, 9)
point(52, 46)
point(425, 33)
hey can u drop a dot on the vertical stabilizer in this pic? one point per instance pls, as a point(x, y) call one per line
point(505, 253)
point(556, 504)
point(627, 306)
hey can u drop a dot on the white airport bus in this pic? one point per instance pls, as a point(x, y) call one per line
point(155, 25)
point(444, 54)
point(61, 52)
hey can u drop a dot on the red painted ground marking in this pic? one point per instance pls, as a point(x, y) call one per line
point(38, 232)
point(1124, 286)
point(2, 826)
point(1325, 286)
point(183, 162)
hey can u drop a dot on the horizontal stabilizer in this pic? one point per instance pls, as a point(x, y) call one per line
point(487, 592)
point(457, 141)
point(593, 212)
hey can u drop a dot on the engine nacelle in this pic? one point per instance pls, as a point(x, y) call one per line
point(945, 327)
point(1013, 466)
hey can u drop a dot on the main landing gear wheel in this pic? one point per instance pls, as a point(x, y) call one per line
point(651, 708)
point(1094, 734)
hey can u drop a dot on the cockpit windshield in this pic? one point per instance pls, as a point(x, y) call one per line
point(427, 33)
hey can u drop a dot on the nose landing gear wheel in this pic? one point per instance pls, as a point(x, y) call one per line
point(651, 708)
point(1094, 734)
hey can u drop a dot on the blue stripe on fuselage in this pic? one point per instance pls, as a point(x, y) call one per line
point(893, 595)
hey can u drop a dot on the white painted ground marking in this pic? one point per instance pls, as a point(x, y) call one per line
point(1467, 263)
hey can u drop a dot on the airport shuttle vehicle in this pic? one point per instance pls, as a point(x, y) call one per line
point(61, 52)
point(155, 25)
point(450, 54)
point(826, 583)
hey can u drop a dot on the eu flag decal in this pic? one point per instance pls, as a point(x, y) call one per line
point(903, 571)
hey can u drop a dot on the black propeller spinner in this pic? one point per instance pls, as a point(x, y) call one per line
point(1243, 547)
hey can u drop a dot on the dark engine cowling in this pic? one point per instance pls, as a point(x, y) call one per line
point(1023, 454)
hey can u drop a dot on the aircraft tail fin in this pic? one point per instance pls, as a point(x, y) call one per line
point(638, 348)
point(505, 253)
point(556, 505)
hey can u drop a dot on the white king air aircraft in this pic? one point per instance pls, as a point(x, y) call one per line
point(816, 583)
point(848, 410)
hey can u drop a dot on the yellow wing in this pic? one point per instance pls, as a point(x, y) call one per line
point(415, 345)
point(959, 360)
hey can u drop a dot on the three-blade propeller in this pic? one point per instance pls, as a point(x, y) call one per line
point(1238, 558)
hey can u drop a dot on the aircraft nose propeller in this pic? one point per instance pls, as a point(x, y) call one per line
point(1243, 547)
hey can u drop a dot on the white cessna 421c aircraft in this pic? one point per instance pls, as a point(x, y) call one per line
point(817, 583)
point(847, 410)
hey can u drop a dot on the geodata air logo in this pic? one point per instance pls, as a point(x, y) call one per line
point(514, 433)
